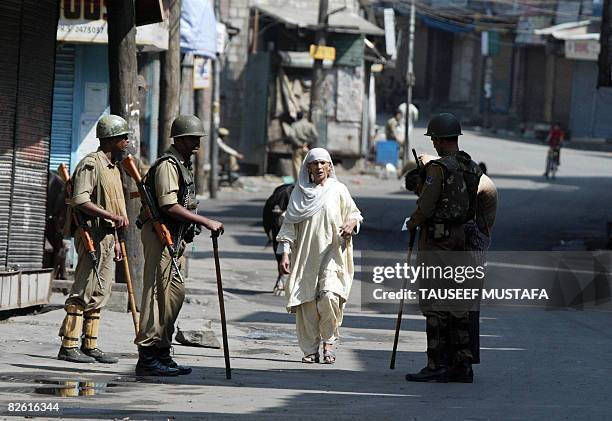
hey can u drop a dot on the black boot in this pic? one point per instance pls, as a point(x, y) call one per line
point(99, 355)
point(149, 365)
point(164, 357)
point(427, 374)
point(461, 373)
point(74, 355)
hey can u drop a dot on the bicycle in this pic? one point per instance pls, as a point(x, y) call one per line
point(552, 162)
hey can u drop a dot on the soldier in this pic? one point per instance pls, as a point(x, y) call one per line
point(446, 203)
point(98, 196)
point(478, 233)
point(170, 181)
point(303, 135)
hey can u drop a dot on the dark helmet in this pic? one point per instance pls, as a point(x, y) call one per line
point(110, 126)
point(444, 125)
point(186, 125)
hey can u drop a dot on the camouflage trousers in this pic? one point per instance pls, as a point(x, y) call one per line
point(448, 338)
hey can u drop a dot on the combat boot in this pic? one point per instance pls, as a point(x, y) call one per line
point(149, 365)
point(90, 348)
point(71, 332)
point(164, 357)
point(461, 373)
point(427, 374)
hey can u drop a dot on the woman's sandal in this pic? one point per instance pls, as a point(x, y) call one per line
point(329, 357)
point(311, 358)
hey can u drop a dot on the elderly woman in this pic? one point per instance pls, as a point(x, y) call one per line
point(316, 232)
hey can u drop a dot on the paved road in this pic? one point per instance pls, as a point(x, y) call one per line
point(535, 364)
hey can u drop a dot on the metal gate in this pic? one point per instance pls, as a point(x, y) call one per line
point(63, 90)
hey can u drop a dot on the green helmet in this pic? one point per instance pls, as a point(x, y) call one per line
point(444, 125)
point(186, 125)
point(110, 126)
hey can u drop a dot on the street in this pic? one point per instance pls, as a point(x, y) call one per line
point(536, 364)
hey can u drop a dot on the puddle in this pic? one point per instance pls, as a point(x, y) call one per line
point(60, 388)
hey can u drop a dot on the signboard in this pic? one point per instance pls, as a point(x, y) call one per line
point(322, 52)
point(582, 49)
point(201, 73)
point(390, 45)
point(84, 21)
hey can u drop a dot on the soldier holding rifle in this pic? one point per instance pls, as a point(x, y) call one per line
point(447, 202)
point(170, 185)
point(99, 205)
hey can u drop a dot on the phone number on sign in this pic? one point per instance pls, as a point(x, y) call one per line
point(33, 406)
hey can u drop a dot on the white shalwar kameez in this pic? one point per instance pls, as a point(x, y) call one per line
point(321, 260)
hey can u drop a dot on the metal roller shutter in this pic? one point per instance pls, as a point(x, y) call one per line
point(32, 132)
point(63, 90)
point(10, 10)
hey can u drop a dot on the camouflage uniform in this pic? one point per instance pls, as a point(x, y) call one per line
point(445, 204)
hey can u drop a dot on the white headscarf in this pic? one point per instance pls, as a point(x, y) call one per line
point(307, 197)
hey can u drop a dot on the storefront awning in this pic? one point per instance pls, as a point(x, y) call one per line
point(565, 30)
point(343, 22)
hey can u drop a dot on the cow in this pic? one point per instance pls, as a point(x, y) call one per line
point(272, 218)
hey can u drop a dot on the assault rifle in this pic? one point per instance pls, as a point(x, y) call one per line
point(416, 159)
point(152, 212)
point(80, 223)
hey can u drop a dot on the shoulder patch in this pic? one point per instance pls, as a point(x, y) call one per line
point(429, 179)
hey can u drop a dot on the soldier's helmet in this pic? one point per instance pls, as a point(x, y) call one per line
point(223, 132)
point(110, 126)
point(444, 125)
point(186, 125)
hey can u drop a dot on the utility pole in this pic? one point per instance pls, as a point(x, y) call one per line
point(215, 116)
point(604, 61)
point(170, 77)
point(202, 110)
point(317, 97)
point(409, 83)
point(123, 75)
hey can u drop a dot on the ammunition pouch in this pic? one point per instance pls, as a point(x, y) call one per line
point(190, 232)
point(439, 230)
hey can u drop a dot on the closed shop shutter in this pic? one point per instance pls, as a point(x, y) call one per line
point(36, 40)
point(9, 63)
point(63, 89)
point(591, 107)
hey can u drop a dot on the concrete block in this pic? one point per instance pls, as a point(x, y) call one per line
point(197, 332)
point(118, 302)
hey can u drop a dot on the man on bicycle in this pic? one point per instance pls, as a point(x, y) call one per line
point(555, 138)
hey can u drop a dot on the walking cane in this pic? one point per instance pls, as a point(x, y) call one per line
point(130, 287)
point(228, 369)
point(398, 323)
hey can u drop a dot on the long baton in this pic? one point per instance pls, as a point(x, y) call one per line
point(130, 287)
point(228, 369)
point(398, 323)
